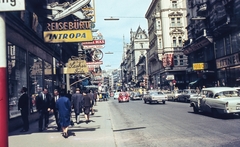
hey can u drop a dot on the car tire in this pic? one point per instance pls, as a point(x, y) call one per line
point(163, 102)
point(145, 102)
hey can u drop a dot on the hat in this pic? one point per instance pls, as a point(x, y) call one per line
point(77, 89)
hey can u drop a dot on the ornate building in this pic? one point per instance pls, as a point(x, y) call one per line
point(166, 28)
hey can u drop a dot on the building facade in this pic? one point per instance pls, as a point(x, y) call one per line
point(212, 47)
point(167, 32)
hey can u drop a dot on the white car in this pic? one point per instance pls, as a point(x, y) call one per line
point(217, 100)
point(155, 96)
point(116, 95)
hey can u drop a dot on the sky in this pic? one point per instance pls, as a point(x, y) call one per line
point(131, 14)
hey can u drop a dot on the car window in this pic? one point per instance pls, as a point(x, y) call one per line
point(226, 94)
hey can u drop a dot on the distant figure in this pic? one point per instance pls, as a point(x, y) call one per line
point(91, 95)
point(43, 107)
point(69, 95)
point(54, 109)
point(87, 105)
point(77, 103)
point(63, 105)
point(95, 96)
point(23, 107)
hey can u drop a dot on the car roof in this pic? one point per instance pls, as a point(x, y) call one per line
point(218, 89)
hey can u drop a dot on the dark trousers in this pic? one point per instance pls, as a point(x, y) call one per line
point(56, 114)
point(43, 115)
point(24, 115)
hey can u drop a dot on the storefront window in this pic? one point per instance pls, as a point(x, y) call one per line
point(35, 78)
point(48, 77)
point(17, 77)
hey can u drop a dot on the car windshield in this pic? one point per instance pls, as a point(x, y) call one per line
point(156, 93)
point(226, 94)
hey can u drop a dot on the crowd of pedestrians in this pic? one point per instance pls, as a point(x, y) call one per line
point(60, 105)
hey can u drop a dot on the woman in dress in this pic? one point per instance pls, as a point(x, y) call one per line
point(63, 105)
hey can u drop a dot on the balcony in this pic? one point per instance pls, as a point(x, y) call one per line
point(176, 25)
point(224, 25)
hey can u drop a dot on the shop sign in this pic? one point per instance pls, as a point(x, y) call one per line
point(93, 46)
point(199, 66)
point(94, 42)
point(76, 67)
point(67, 36)
point(167, 60)
point(228, 61)
point(170, 77)
point(12, 5)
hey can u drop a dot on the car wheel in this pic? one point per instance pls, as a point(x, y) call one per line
point(215, 113)
point(145, 102)
point(195, 109)
point(163, 102)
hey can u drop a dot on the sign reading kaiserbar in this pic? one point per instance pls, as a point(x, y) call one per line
point(76, 31)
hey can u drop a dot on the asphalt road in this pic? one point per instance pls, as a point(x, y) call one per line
point(173, 124)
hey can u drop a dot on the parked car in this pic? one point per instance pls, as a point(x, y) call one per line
point(123, 97)
point(116, 94)
point(173, 95)
point(186, 94)
point(155, 96)
point(217, 100)
point(136, 96)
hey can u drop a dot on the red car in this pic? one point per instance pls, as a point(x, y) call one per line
point(123, 97)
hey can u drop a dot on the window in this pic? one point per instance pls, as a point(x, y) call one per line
point(175, 60)
point(180, 41)
point(174, 4)
point(160, 43)
point(174, 42)
point(179, 22)
point(173, 22)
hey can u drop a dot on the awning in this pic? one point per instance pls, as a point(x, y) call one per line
point(194, 82)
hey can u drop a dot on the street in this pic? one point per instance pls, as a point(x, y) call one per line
point(136, 124)
point(174, 124)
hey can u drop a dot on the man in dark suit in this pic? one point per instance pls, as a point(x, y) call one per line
point(43, 107)
point(77, 103)
point(23, 104)
point(53, 107)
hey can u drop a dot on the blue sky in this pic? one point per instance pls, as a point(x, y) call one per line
point(131, 14)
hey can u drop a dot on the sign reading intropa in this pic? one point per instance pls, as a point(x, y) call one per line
point(12, 5)
point(76, 31)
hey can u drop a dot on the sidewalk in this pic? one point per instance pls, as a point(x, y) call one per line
point(97, 133)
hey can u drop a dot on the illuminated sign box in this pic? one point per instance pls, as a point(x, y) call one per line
point(199, 66)
point(67, 36)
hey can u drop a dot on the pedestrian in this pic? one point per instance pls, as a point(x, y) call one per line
point(69, 95)
point(63, 105)
point(43, 107)
point(53, 108)
point(77, 104)
point(23, 104)
point(95, 95)
point(86, 105)
point(91, 95)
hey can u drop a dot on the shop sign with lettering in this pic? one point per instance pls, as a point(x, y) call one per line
point(67, 36)
point(12, 5)
point(199, 66)
point(76, 67)
point(228, 61)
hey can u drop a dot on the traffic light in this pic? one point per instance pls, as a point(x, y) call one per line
point(146, 83)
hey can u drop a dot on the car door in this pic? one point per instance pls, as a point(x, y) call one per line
point(206, 100)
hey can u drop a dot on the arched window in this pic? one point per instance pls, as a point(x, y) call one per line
point(180, 41)
point(174, 42)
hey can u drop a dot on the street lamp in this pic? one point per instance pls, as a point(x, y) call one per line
point(111, 18)
point(109, 53)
